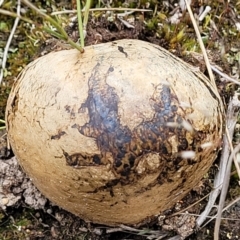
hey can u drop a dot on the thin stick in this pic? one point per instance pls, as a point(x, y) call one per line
point(5, 54)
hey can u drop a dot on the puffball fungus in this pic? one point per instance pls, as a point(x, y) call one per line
point(115, 135)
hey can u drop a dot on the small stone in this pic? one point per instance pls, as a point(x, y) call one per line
point(5, 201)
point(37, 215)
point(49, 211)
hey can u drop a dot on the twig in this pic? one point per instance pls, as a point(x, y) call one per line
point(5, 54)
point(224, 192)
point(231, 119)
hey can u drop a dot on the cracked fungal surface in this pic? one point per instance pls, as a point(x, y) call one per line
point(102, 134)
point(163, 134)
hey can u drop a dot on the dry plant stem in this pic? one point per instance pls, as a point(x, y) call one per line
point(213, 217)
point(102, 9)
point(80, 24)
point(224, 192)
point(86, 13)
point(5, 54)
point(15, 15)
point(55, 24)
point(225, 76)
point(190, 206)
point(201, 45)
point(228, 206)
point(150, 234)
point(3, 135)
point(234, 158)
point(215, 69)
point(231, 119)
point(143, 232)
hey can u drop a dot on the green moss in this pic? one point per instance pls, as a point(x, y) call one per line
point(16, 227)
point(24, 46)
point(152, 24)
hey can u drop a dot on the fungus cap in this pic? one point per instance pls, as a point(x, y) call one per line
point(115, 135)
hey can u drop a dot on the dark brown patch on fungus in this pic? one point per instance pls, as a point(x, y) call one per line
point(126, 146)
point(58, 135)
point(78, 159)
point(121, 49)
point(69, 110)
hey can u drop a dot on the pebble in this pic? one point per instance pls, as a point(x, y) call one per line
point(5, 201)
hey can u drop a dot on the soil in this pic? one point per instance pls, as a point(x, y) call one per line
point(26, 214)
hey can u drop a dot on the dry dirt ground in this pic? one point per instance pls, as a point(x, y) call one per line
point(26, 214)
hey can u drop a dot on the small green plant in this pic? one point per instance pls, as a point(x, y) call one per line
point(60, 32)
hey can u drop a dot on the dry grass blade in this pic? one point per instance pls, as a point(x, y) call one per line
point(148, 233)
point(213, 217)
point(102, 9)
point(234, 158)
point(201, 45)
point(5, 54)
point(225, 76)
point(15, 15)
point(224, 192)
point(231, 119)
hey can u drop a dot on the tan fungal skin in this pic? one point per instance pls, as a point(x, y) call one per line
point(101, 134)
